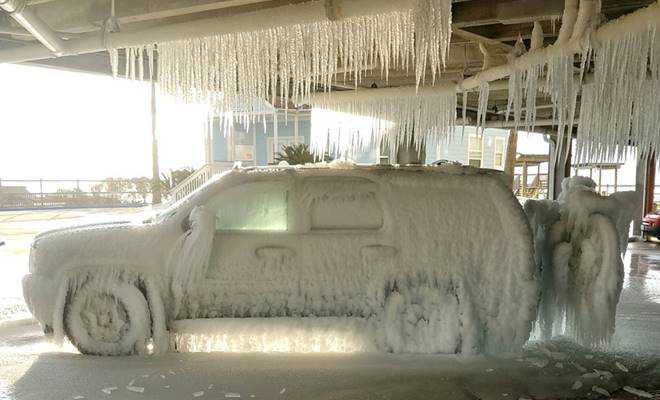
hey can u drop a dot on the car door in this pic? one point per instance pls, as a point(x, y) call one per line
point(255, 256)
point(347, 249)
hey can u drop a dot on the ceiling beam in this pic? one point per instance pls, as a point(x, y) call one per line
point(481, 39)
point(84, 16)
point(485, 12)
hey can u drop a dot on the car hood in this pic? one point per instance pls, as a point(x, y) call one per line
point(99, 244)
point(74, 228)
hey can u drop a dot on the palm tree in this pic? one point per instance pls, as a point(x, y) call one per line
point(295, 154)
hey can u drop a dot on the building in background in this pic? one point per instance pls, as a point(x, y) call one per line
point(258, 143)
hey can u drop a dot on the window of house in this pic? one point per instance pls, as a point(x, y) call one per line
point(259, 206)
point(343, 204)
point(475, 150)
point(243, 144)
point(498, 149)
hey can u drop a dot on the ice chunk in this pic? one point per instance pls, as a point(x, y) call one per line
point(233, 395)
point(638, 392)
point(621, 366)
point(600, 390)
point(109, 390)
point(136, 389)
point(576, 385)
point(198, 394)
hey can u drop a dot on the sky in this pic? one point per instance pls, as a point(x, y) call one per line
point(58, 124)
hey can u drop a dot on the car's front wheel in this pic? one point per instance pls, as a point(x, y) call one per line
point(108, 319)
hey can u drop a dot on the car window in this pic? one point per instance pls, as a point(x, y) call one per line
point(258, 206)
point(343, 204)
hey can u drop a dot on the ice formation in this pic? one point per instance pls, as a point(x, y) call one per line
point(291, 59)
point(621, 107)
point(190, 256)
point(404, 253)
point(578, 244)
point(389, 116)
point(389, 281)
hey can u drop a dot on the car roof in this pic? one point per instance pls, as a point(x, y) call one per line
point(241, 175)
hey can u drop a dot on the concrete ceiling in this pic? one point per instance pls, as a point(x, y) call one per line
point(495, 23)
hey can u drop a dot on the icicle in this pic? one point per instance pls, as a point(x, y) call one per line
point(293, 59)
point(537, 36)
point(622, 108)
point(114, 61)
point(432, 36)
point(484, 90)
point(343, 126)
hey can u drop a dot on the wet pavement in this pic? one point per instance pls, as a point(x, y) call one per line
point(638, 313)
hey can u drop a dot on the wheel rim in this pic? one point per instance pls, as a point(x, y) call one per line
point(108, 320)
point(105, 318)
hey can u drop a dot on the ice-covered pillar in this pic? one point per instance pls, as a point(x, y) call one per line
point(640, 187)
point(155, 172)
point(559, 166)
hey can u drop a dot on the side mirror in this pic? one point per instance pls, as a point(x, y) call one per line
point(185, 224)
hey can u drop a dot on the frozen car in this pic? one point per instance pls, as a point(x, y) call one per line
point(407, 252)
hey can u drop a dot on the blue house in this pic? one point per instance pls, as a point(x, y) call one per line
point(258, 143)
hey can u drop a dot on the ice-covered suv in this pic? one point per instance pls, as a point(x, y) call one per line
point(429, 259)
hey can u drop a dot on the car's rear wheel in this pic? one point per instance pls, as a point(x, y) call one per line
point(108, 319)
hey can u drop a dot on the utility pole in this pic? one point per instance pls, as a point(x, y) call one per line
point(155, 180)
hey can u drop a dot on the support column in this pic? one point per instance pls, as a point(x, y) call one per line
point(276, 140)
point(650, 185)
point(155, 172)
point(616, 179)
point(640, 187)
point(511, 153)
point(559, 167)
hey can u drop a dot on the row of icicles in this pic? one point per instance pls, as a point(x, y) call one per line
point(619, 108)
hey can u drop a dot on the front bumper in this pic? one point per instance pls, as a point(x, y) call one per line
point(39, 293)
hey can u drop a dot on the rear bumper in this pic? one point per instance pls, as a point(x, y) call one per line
point(39, 293)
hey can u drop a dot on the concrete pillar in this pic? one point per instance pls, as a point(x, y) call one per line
point(649, 193)
point(523, 184)
point(511, 153)
point(559, 167)
point(640, 187)
point(155, 172)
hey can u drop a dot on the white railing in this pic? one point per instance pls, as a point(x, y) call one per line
point(197, 179)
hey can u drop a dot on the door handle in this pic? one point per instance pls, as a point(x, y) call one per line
point(378, 252)
point(279, 253)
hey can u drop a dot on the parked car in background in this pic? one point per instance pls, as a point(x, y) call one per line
point(651, 225)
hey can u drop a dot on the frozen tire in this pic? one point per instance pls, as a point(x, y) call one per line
point(109, 319)
point(422, 319)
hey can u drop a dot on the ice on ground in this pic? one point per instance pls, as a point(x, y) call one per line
point(136, 389)
point(638, 392)
point(578, 244)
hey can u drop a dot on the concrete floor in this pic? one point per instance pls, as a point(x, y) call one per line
point(33, 368)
